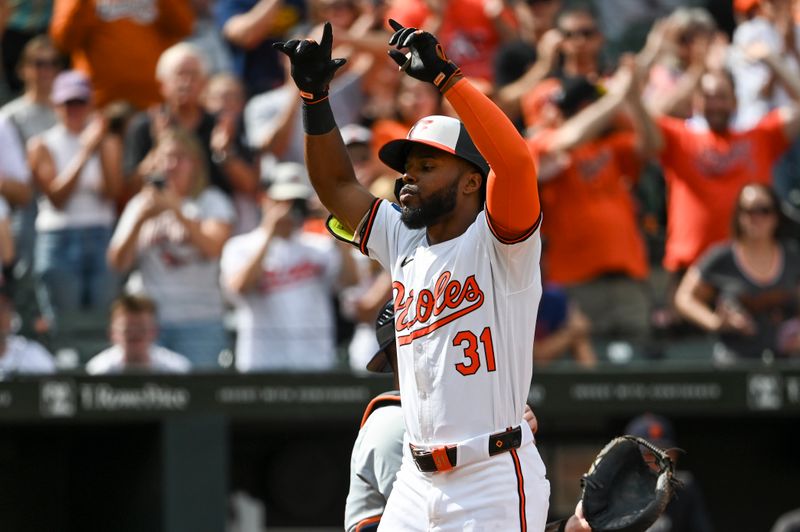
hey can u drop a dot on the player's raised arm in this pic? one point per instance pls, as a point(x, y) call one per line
point(512, 199)
point(329, 166)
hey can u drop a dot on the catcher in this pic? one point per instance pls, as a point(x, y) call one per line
point(621, 491)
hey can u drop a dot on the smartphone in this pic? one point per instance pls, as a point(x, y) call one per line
point(300, 209)
point(156, 180)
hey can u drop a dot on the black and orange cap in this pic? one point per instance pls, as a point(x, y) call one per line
point(442, 132)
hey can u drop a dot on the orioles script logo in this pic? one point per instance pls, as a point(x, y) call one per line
point(430, 307)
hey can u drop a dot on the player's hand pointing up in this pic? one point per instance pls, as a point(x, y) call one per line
point(312, 66)
point(425, 59)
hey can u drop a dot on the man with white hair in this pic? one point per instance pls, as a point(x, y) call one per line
point(182, 73)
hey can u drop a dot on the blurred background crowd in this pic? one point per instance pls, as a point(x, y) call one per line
point(156, 215)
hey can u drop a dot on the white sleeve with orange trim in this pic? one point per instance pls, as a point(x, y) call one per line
point(384, 237)
point(516, 262)
point(381, 234)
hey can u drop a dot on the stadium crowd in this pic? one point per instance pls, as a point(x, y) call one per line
point(153, 195)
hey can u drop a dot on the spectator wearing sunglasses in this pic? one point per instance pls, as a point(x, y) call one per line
point(30, 114)
point(745, 290)
point(581, 44)
point(571, 50)
point(587, 169)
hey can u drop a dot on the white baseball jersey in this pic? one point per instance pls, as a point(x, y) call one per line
point(465, 311)
point(287, 322)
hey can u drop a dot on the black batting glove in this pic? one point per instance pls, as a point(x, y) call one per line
point(425, 59)
point(312, 66)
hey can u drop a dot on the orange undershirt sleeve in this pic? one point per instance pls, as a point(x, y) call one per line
point(512, 197)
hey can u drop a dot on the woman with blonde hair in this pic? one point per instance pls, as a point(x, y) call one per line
point(173, 231)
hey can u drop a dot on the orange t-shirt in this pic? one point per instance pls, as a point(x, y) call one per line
point(468, 36)
point(534, 102)
point(704, 172)
point(590, 218)
point(386, 130)
point(117, 44)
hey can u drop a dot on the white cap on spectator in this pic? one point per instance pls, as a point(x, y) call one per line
point(288, 181)
point(355, 134)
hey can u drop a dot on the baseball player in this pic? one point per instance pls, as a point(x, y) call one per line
point(463, 249)
point(378, 450)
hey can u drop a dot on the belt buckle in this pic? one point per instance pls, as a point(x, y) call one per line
point(440, 458)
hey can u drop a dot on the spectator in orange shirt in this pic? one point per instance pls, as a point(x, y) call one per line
point(595, 248)
point(117, 44)
point(414, 100)
point(570, 50)
point(706, 162)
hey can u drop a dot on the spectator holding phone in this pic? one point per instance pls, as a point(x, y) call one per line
point(282, 281)
point(173, 231)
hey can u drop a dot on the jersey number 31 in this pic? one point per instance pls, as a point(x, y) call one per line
point(472, 360)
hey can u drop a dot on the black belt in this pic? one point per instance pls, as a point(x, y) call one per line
point(444, 457)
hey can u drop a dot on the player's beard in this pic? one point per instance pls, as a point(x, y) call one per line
point(431, 210)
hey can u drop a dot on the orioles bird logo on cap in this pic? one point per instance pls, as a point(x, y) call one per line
point(420, 125)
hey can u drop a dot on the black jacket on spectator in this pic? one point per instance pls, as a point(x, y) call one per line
point(139, 141)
